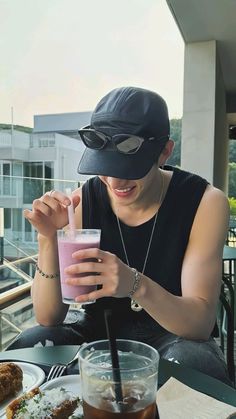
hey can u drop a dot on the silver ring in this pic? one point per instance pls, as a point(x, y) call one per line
point(50, 193)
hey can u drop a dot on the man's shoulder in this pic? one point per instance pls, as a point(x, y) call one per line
point(179, 172)
point(186, 182)
point(214, 194)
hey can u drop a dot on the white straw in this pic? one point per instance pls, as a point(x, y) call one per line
point(71, 214)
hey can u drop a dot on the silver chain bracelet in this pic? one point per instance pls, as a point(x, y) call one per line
point(136, 283)
point(51, 276)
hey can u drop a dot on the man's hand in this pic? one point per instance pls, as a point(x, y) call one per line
point(115, 277)
point(49, 213)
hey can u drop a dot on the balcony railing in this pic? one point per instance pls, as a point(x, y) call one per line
point(18, 251)
point(15, 302)
point(23, 189)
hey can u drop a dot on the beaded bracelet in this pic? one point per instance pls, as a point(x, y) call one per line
point(136, 283)
point(56, 275)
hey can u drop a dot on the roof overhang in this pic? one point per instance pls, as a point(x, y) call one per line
point(201, 20)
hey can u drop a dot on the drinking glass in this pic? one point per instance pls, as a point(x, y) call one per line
point(68, 243)
point(138, 368)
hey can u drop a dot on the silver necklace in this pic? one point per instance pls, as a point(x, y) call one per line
point(134, 305)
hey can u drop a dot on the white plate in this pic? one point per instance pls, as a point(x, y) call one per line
point(33, 376)
point(69, 382)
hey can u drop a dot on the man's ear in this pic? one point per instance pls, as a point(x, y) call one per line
point(166, 152)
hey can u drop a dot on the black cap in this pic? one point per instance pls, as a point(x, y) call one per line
point(127, 110)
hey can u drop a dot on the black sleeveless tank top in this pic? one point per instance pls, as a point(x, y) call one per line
point(170, 238)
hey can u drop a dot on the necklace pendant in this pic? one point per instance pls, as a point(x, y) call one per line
point(135, 306)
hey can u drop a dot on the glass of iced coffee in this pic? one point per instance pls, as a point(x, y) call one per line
point(68, 243)
point(138, 369)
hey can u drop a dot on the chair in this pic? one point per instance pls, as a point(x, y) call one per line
point(231, 237)
point(226, 324)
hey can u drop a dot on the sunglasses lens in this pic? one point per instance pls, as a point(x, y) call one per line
point(124, 143)
point(129, 145)
point(93, 140)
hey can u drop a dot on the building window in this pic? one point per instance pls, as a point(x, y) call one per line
point(7, 217)
point(35, 184)
point(33, 188)
point(28, 231)
point(17, 169)
point(10, 186)
point(48, 174)
point(17, 223)
point(6, 178)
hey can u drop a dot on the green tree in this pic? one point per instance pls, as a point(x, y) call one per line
point(232, 151)
point(175, 134)
point(232, 180)
point(16, 127)
point(232, 204)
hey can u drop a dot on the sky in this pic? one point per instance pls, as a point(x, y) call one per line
point(63, 55)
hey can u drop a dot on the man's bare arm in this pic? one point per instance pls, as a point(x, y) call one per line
point(193, 314)
point(46, 292)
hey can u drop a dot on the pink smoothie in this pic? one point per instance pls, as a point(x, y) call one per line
point(67, 246)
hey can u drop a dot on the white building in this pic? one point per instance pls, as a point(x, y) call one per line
point(63, 123)
point(52, 151)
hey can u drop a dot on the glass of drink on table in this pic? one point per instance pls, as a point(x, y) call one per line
point(70, 241)
point(138, 368)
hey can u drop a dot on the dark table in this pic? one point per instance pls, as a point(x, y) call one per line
point(45, 357)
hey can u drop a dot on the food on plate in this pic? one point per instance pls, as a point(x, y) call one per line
point(78, 413)
point(56, 403)
point(11, 378)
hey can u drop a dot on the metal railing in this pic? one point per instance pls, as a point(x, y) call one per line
point(20, 247)
point(21, 289)
point(25, 189)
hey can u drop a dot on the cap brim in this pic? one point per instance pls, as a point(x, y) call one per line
point(114, 164)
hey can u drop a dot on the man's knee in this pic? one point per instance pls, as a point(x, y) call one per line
point(204, 356)
point(46, 336)
point(184, 350)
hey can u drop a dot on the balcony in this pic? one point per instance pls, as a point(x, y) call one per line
point(16, 309)
point(18, 251)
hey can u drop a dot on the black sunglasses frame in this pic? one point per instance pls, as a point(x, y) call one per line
point(106, 138)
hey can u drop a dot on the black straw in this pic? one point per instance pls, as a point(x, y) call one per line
point(114, 356)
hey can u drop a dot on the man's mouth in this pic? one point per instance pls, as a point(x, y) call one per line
point(123, 190)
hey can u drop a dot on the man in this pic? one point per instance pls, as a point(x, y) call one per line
point(159, 264)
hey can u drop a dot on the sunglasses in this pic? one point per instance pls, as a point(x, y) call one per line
point(124, 143)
